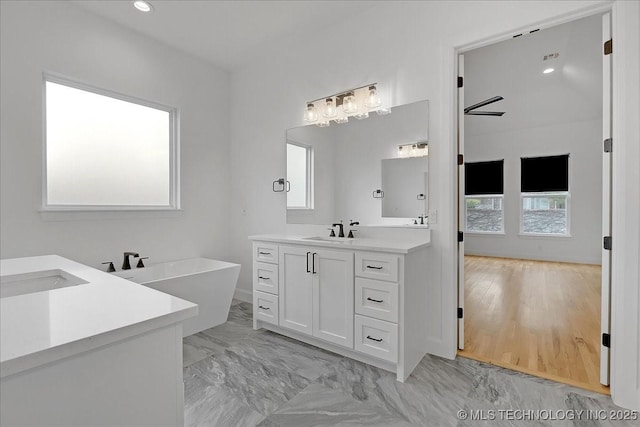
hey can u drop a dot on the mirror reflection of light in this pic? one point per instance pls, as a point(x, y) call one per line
point(548, 71)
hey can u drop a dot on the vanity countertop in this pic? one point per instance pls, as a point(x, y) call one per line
point(43, 327)
point(400, 246)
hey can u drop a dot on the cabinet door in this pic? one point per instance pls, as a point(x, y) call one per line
point(295, 286)
point(333, 296)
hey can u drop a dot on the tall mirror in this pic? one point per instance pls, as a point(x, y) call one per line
point(373, 170)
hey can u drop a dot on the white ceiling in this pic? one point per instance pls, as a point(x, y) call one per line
point(226, 33)
point(513, 69)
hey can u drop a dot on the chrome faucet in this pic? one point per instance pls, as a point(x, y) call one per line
point(125, 263)
point(341, 233)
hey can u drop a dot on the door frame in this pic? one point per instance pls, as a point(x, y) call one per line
point(458, 146)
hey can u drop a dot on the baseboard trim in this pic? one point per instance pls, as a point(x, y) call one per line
point(243, 295)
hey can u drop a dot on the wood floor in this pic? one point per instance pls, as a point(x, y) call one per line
point(538, 317)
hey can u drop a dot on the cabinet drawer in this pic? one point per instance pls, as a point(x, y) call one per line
point(265, 277)
point(265, 307)
point(265, 252)
point(377, 299)
point(377, 338)
point(377, 266)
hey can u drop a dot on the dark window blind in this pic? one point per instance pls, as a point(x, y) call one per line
point(539, 174)
point(484, 178)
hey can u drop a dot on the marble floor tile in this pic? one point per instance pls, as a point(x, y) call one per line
point(240, 377)
point(205, 405)
point(280, 352)
point(197, 347)
point(599, 410)
point(433, 394)
point(261, 388)
point(319, 405)
point(216, 340)
point(241, 312)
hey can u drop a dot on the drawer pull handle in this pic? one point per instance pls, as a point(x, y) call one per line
point(264, 308)
point(374, 300)
point(374, 339)
point(374, 268)
point(264, 253)
point(263, 278)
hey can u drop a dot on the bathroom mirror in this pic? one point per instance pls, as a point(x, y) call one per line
point(340, 172)
point(405, 183)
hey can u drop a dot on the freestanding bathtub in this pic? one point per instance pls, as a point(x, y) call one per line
point(206, 282)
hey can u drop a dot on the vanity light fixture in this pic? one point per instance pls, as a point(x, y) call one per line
point(143, 6)
point(373, 100)
point(349, 104)
point(310, 113)
point(358, 103)
point(418, 149)
point(330, 109)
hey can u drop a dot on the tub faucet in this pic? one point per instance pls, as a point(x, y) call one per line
point(125, 263)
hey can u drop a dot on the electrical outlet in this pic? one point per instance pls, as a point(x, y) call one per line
point(433, 217)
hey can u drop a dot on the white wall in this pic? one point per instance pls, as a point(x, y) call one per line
point(409, 49)
point(545, 114)
point(62, 38)
point(583, 141)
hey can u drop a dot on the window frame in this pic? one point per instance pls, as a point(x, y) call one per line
point(174, 149)
point(484, 196)
point(567, 194)
point(309, 196)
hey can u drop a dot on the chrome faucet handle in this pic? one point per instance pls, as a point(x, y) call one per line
point(140, 263)
point(351, 236)
point(333, 233)
point(111, 268)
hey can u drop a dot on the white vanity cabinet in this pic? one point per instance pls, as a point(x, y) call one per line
point(362, 299)
point(316, 293)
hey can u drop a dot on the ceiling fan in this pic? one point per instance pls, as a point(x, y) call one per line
point(469, 110)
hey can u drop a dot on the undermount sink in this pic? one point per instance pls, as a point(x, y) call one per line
point(330, 239)
point(37, 281)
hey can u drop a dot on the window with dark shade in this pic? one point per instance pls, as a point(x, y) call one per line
point(484, 188)
point(544, 174)
point(483, 178)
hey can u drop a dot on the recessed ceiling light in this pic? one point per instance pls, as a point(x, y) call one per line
point(548, 70)
point(143, 6)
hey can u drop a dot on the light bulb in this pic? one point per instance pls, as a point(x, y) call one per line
point(373, 100)
point(349, 105)
point(548, 70)
point(330, 109)
point(143, 6)
point(310, 113)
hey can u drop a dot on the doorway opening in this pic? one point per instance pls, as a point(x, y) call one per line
point(534, 203)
